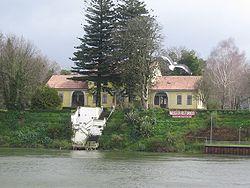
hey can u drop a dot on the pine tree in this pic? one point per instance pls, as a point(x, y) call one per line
point(129, 9)
point(93, 58)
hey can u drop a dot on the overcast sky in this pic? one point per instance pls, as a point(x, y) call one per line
point(54, 25)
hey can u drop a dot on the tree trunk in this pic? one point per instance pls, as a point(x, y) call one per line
point(98, 92)
point(144, 93)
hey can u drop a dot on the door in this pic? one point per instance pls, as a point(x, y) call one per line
point(77, 99)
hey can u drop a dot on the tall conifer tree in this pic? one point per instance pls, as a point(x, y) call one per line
point(93, 58)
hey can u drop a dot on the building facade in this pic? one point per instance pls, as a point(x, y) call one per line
point(170, 92)
point(176, 93)
point(77, 93)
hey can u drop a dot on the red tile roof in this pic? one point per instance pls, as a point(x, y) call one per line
point(176, 82)
point(62, 82)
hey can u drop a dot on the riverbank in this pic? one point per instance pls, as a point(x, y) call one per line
point(156, 131)
point(36, 129)
point(127, 130)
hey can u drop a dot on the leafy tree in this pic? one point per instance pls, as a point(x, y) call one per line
point(127, 10)
point(45, 98)
point(93, 58)
point(22, 69)
point(142, 40)
point(187, 57)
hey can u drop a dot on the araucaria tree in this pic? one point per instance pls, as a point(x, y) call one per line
point(93, 58)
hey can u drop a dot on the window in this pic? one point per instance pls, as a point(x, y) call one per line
point(189, 99)
point(179, 99)
point(156, 101)
point(104, 98)
point(60, 94)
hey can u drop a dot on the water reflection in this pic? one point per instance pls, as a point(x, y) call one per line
point(53, 168)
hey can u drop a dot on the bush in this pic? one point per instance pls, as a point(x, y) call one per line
point(31, 136)
point(4, 140)
point(114, 141)
point(142, 123)
point(46, 98)
point(168, 143)
point(117, 141)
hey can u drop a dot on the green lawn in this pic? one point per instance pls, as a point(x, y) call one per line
point(170, 134)
point(35, 129)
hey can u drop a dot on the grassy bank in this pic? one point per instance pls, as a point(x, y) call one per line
point(155, 130)
point(50, 129)
point(128, 129)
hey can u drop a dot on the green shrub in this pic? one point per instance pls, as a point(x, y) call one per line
point(4, 140)
point(46, 98)
point(113, 141)
point(194, 147)
point(31, 136)
point(60, 130)
point(168, 143)
point(142, 123)
point(117, 141)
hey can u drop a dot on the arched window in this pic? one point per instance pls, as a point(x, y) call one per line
point(161, 99)
point(77, 99)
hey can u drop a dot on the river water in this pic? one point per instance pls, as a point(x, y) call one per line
point(29, 168)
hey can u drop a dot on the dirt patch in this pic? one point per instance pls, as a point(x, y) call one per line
point(219, 134)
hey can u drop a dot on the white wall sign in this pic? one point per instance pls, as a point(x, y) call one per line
point(181, 114)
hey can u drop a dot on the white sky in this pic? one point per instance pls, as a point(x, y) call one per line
point(54, 25)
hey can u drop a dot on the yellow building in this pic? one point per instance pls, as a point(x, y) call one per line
point(77, 93)
point(172, 92)
point(175, 93)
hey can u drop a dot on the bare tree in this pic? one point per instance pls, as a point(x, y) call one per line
point(226, 74)
point(22, 69)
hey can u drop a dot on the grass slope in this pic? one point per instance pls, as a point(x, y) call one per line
point(173, 134)
point(35, 129)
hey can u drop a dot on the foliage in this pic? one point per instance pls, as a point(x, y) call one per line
point(35, 129)
point(93, 58)
point(31, 137)
point(141, 122)
point(127, 10)
point(170, 143)
point(22, 69)
point(45, 98)
point(139, 48)
point(187, 57)
point(168, 134)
